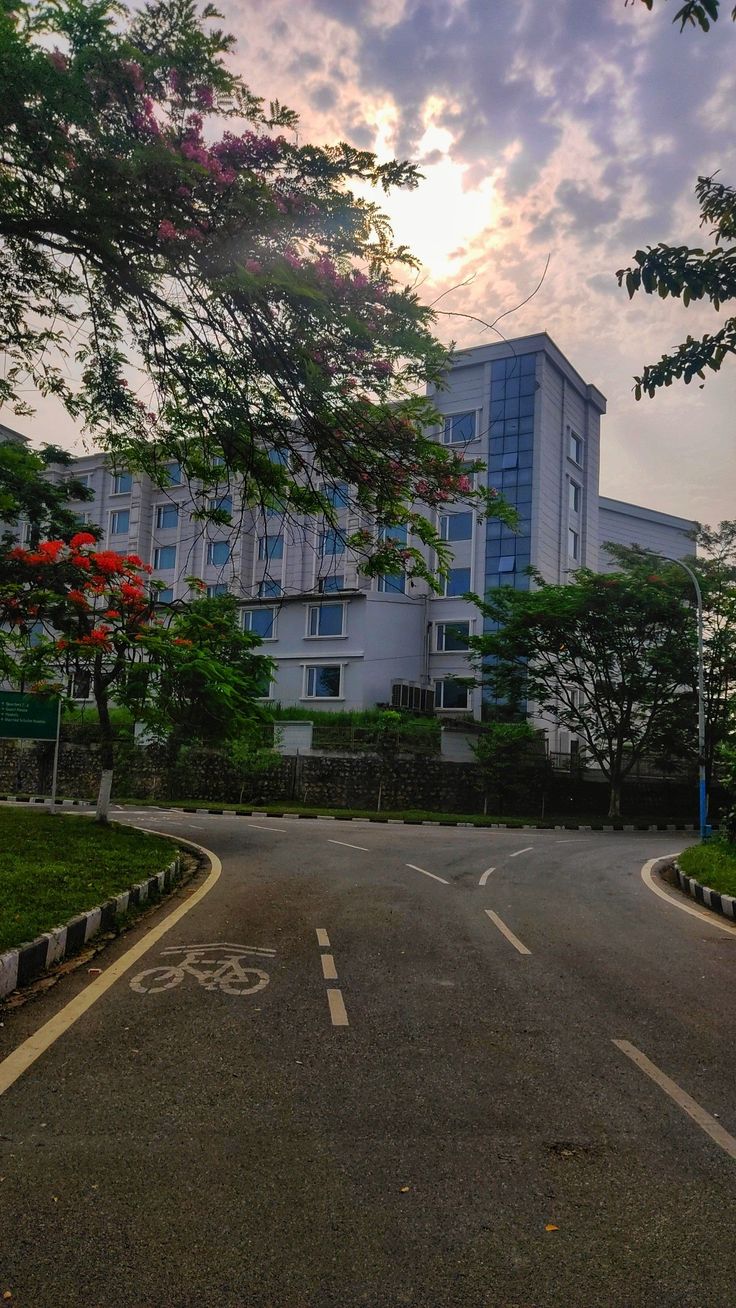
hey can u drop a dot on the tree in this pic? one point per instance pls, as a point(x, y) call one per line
point(26, 494)
point(512, 760)
point(715, 569)
point(231, 303)
point(692, 274)
point(71, 613)
point(610, 658)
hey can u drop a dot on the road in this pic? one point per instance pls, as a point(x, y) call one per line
point(410, 1094)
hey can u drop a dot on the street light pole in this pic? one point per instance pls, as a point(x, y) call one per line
point(702, 794)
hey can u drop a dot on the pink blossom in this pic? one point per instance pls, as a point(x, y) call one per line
point(59, 61)
point(184, 191)
point(463, 483)
point(252, 266)
point(383, 367)
point(292, 259)
point(167, 230)
point(134, 71)
point(205, 97)
point(194, 233)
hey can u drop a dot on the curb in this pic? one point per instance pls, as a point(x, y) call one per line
point(719, 903)
point(18, 967)
point(45, 799)
point(436, 822)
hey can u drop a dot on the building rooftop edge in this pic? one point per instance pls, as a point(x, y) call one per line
point(639, 511)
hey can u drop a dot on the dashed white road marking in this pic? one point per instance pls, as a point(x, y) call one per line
point(257, 827)
point(345, 845)
point(486, 875)
point(329, 971)
point(433, 875)
point(337, 1007)
point(525, 850)
point(323, 940)
point(705, 914)
point(699, 1115)
point(507, 932)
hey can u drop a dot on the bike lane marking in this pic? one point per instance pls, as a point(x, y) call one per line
point(228, 961)
point(26, 1054)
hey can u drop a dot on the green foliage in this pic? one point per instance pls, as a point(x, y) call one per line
point(606, 657)
point(513, 760)
point(26, 494)
point(713, 864)
point(81, 725)
point(243, 279)
point(692, 274)
point(362, 729)
point(54, 867)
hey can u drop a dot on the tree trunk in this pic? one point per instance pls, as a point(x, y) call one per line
point(614, 807)
point(107, 748)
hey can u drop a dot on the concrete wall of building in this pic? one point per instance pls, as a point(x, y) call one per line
point(630, 524)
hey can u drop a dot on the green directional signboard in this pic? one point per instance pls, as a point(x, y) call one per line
point(26, 717)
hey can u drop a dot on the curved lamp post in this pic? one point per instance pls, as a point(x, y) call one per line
point(702, 793)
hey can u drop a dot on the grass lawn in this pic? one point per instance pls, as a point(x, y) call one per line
point(714, 865)
point(53, 867)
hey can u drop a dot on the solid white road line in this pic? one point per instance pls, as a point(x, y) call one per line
point(699, 1115)
point(345, 845)
point(323, 940)
point(507, 932)
point(329, 971)
point(705, 914)
point(525, 850)
point(21, 1058)
point(486, 875)
point(428, 874)
point(257, 827)
point(337, 1007)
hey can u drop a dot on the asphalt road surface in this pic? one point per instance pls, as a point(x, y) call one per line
point(366, 1070)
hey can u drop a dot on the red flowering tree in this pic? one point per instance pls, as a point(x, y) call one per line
point(73, 611)
point(229, 296)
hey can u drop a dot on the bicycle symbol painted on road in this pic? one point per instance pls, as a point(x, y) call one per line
point(225, 967)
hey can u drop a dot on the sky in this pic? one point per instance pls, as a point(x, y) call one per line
point(568, 129)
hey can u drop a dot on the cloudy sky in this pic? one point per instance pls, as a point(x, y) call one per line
point(574, 128)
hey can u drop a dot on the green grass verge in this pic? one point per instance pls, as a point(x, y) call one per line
point(714, 865)
point(53, 867)
point(405, 815)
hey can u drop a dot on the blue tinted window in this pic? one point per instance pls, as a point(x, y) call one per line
point(174, 473)
point(329, 584)
point(119, 522)
point(167, 516)
point(327, 620)
point(269, 589)
point(526, 406)
point(218, 552)
point(166, 595)
point(164, 557)
point(496, 410)
point(451, 695)
point(459, 428)
point(122, 483)
point(507, 563)
point(528, 363)
point(510, 460)
point(395, 582)
point(271, 547)
point(457, 581)
point(527, 386)
point(220, 588)
point(456, 526)
point(337, 495)
point(332, 542)
point(260, 622)
point(498, 370)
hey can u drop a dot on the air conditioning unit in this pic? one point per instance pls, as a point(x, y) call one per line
point(410, 695)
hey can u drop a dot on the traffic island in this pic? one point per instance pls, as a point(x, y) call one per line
point(69, 870)
point(708, 874)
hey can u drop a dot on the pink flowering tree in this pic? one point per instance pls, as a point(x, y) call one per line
point(72, 612)
point(227, 296)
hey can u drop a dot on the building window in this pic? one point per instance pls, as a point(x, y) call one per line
point(219, 588)
point(509, 461)
point(337, 495)
point(575, 448)
point(452, 695)
point(122, 483)
point(120, 522)
point(456, 526)
point(507, 563)
point(218, 553)
point(173, 472)
point(573, 543)
point(451, 636)
point(265, 689)
point(80, 479)
point(269, 589)
point(331, 542)
point(165, 596)
point(459, 428)
point(457, 581)
point(80, 685)
point(270, 547)
point(392, 583)
point(164, 558)
point(279, 456)
point(574, 494)
point(327, 585)
point(326, 620)
point(262, 622)
point(167, 516)
point(221, 504)
point(323, 681)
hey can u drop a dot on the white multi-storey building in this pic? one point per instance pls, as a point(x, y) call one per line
point(342, 640)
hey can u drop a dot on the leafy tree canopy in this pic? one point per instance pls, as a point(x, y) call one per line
point(607, 657)
point(26, 494)
point(692, 274)
point(230, 303)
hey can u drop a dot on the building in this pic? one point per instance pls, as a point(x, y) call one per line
point(345, 641)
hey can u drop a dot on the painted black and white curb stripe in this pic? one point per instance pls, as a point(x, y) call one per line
point(22, 965)
point(433, 822)
point(724, 904)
